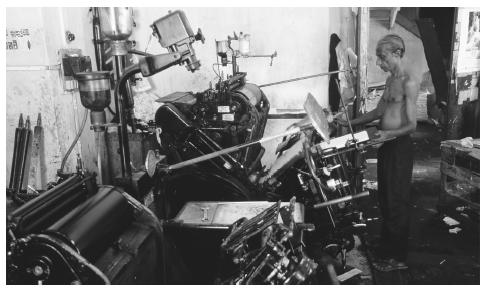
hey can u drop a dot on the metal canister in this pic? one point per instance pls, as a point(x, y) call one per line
point(116, 22)
point(244, 45)
point(222, 47)
point(94, 89)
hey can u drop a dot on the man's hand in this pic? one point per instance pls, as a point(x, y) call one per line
point(341, 119)
point(304, 122)
point(382, 137)
point(342, 122)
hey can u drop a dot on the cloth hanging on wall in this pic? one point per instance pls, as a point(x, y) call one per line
point(333, 92)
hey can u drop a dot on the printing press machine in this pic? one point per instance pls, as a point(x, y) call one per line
point(216, 216)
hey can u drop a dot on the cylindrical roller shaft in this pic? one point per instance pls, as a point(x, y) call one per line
point(122, 128)
point(342, 199)
point(92, 226)
point(24, 153)
point(16, 150)
point(40, 212)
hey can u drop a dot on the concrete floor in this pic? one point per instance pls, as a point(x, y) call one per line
point(436, 256)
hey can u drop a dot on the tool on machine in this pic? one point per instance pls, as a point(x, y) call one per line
point(28, 163)
point(37, 172)
point(16, 152)
point(21, 160)
point(25, 156)
point(243, 50)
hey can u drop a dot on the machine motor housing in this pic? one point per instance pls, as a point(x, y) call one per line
point(233, 113)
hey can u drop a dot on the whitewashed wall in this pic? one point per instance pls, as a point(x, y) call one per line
point(31, 92)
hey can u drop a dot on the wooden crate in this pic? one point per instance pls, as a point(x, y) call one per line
point(460, 173)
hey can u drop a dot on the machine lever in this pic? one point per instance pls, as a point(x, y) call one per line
point(151, 65)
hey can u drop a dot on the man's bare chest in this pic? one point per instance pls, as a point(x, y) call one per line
point(395, 92)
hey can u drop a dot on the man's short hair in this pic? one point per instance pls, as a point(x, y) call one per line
point(393, 42)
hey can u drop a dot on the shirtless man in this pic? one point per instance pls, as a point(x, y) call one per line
point(397, 114)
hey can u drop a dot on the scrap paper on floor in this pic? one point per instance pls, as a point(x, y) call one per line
point(451, 222)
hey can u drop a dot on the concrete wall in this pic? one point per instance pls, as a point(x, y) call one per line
point(30, 92)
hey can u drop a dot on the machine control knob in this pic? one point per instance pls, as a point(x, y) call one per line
point(199, 36)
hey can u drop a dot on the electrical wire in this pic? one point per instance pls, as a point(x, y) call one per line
point(213, 68)
point(149, 41)
point(111, 111)
point(64, 160)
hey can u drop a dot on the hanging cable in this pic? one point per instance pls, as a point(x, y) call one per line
point(64, 160)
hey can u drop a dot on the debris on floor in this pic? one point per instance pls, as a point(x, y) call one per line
point(455, 230)
point(467, 142)
point(450, 221)
point(370, 185)
point(371, 161)
point(349, 274)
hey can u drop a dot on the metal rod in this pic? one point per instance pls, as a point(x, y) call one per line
point(314, 112)
point(137, 52)
point(259, 56)
point(98, 45)
point(23, 154)
point(303, 78)
point(229, 150)
point(128, 102)
point(346, 111)
point(99, 164)
point(16, 147)
point(312, 169)
point(342, 199)
point(18, 166)
point(36, 156)
point(122, 129)
point(234, 64)
point(351, 148)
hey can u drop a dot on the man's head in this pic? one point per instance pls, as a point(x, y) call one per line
point(389, 51)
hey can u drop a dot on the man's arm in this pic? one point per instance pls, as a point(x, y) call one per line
point(373, 114)
point(411, 89)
